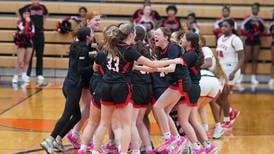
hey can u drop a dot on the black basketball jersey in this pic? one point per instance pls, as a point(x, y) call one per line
point(120, 66)
point(191, 57)
point(101, 59)
point(173, 51)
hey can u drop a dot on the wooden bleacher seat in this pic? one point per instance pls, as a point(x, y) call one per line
point(49, 62)
point(57, 45)
point(202, 11)
point(50, 49)
point(62, 50)
point(54, 37)
point(62, 63)
point(50, 24)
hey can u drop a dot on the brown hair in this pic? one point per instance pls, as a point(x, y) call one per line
point(178, 35)
point(167, 32)
point(194, 39)
point(125, 30)
point(111, 38)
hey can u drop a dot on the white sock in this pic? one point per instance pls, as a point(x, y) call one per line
point(167, 135)
point(196, 145)
point(148, 148)
point(83, 147)
point(49, 139)
point(94, 152)
point(230, 110)
point(226, 119)
point(24, 74)
point(218, 125)
point(253, 76)
point(58, 139)
point(136, 151)
point(111, 141)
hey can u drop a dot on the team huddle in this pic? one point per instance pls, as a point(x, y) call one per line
point(136, 72)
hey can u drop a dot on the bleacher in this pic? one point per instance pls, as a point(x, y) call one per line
point(116, 11)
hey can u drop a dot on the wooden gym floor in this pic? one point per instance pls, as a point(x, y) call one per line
point(28, 113)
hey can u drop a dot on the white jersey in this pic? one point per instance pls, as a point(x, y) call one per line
point(207, 52)
point(227, 48)
point(227, 51)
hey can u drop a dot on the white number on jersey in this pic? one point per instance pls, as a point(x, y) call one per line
point(113, 64)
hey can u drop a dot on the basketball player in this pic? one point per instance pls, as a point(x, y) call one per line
point(231, 56)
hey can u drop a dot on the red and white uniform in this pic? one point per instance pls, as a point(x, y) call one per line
point(209, 83)
point(227, 51)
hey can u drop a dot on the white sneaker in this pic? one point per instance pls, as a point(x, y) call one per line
point(47, 146)
point(40, 78)
point(254, 80)
point(25, 78)
point(218, 132)
point(271, 82)
point(15, 79)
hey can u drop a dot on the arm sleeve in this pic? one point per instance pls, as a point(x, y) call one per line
point(83, 66)
point(237, 44)
point(207, 52)
point(174, 51)
point(131, 54)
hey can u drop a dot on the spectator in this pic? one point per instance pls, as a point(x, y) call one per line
point(172, 22)
point(271, 30)
point(147, 17)
point(38, 13)
point(78, 21)
point(253, 27)
point(218, 22)
point(23, 41)
point(191, 23)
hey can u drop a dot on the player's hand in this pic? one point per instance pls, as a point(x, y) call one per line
point(28, 19)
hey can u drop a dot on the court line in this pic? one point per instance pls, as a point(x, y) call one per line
point(21, 101)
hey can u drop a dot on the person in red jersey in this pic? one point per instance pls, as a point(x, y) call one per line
point(172, 22)
point(253, 28)
point(23, 42)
